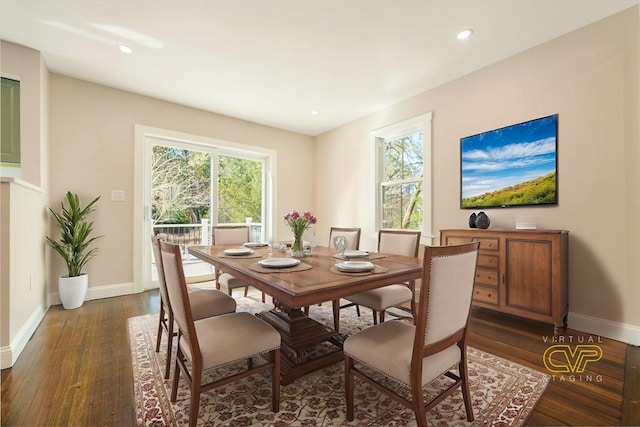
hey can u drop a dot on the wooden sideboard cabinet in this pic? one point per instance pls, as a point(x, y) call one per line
point(520, 272)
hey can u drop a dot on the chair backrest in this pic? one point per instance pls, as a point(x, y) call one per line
point(178, 294)
point(399, 242)
point(352, 235)
point(157, 256)
point(448, 273)
point(230, 234)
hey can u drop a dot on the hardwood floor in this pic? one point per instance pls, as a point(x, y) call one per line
point(76, 369)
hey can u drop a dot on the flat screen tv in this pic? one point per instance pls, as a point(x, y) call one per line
point(512, 166)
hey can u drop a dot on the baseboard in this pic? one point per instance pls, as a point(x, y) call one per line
point(9, 355)
point(624, 332)
point(99, 292)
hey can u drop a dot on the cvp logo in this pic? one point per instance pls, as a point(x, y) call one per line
point(571, 360)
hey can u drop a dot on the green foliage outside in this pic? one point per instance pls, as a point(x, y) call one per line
point(181, 187)
point(239, 190)
point(537, 191)
point(402, 188)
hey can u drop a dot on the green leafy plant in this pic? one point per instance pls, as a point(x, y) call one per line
point(75, 234)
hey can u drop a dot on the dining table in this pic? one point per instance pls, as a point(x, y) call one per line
point(295, 283)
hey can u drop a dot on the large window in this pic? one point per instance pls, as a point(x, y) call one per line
point(403, 175)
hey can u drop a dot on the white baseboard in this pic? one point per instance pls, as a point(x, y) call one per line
point(9, 354)
point(99, 292)
point(624, 332)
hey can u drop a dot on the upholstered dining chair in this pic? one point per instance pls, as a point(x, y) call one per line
point(396, 242)
point(414, 354)
point(230, 235)
point(215, 341)
point(204, 303)
point(352, 234)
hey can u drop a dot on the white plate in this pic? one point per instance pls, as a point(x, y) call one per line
point(350, 253)
point(255, 245)
point(238, 251)
point(279, 262)
point(354, 266)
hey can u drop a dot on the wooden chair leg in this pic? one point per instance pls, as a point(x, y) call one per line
point(382, 316)
point(358, 310)
point(194, 410)
point(348, 386)
point(336, 314)
point(275, 381)
point(176, 380)
point(263, 297)
point(417, 399)
point(306, 311)
point(246, 291)
point(167, 369)
point(375, 317)
point(160, 326)
point(466, 395)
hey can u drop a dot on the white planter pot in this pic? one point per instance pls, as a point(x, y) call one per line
point(72, 290)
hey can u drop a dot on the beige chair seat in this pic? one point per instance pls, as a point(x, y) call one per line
point(383, 298)
point(230, 282)
point(388, 347)
point(210, 302)
point(243, 335)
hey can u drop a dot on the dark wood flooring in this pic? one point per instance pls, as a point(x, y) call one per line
point(76, 369)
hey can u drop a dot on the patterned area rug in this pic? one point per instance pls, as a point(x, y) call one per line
point(503, 392)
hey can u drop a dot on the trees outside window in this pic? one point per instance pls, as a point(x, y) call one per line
point(403, 171)
point(181, 187)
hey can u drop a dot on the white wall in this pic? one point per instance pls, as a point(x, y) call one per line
point(590, 79)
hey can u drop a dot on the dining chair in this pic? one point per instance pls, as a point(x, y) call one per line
point(414, 354)
point(216, 341)
point(352, 234)
point(396, 242)
point(204, 303)
point(230, 235)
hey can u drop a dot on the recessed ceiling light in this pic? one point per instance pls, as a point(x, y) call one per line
point(314, 113)
point(465, 34)
point(125, 49)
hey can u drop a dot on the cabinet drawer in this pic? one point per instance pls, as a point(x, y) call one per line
point(486, 295)
point(457, 240)
point(488, 244)
point(488, 276)
point(490, 261)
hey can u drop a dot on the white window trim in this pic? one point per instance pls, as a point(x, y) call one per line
point(397, 130)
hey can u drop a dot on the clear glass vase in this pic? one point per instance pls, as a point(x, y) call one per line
point(297, 247)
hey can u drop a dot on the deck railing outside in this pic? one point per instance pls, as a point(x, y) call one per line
point(200, 234)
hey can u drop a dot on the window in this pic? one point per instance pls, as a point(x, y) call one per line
point(403, 172)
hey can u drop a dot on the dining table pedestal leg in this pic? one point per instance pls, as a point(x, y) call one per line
point(302, 349)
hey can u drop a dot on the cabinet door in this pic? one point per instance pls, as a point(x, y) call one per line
point(10, 122)
point(528, 277)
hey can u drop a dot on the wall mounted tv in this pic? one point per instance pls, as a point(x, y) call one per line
point(512, 166)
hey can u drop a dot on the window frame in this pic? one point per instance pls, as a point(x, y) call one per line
point(422, 124)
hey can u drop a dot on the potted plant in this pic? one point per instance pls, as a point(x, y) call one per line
point(73, 247)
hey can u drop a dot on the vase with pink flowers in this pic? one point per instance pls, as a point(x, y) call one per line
point(299, 223)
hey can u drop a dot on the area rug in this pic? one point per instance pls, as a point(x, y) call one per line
point(503, 392)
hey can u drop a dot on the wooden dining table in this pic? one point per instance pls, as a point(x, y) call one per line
point(313, 281)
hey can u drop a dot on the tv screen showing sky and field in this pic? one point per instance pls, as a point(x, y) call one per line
point(512, 166)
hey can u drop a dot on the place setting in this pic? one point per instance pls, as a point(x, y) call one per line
point(240, 252)
point(349, 254)
point(360, 268)
point(279, 265)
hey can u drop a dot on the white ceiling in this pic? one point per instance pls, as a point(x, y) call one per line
point(274, 61)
